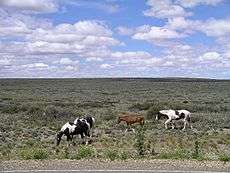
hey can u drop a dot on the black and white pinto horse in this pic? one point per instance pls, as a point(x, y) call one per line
point(81, 126)
point(89, 120)
point(174, 115)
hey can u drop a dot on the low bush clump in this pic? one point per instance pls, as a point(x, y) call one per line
point(111, 154)
point(84, 152)
point(224, 158)
point(34, 153)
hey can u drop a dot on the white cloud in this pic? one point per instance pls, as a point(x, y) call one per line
point(164, 9)
point(105, 6)
point(31, 5)
point(67, 61)
point(91, 59)
point(71, 68)
point(124, 30)
point(106, 66)
point(18, 28)
point(77, 38)
point(5, 62)
point(216, 28)
point(211, 56)
point(154, 33)
point(36, 65)
point(131, 55)
point(193, 3)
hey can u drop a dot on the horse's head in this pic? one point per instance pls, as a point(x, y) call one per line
point(118, 120)
point(58, 137)
point(158, 116)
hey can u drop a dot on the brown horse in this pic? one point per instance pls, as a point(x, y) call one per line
point(131, 118)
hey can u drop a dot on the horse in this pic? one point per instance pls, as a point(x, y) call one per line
point(131, 118)
point(70, 129)
point(174, 115)
point(89, 120)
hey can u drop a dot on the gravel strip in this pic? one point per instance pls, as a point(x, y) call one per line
point(104, 164)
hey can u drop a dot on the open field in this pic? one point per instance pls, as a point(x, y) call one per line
point(27, 133)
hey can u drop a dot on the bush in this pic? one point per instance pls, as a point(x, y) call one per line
point(34, 110)
point(124, 155)
point(35, 153)
point(111, 154)
point(224, 158)
point(141, 106)
point(175, 154)
point(10, 109)
point(84, 152)
point(140, 140)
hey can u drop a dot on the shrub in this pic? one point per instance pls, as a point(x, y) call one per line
point(84, 152)
point(34, 110)
point(224, 157)
point(124, 155)
point(111, 154)
point(10, 109)
point(140, 140)
point(141, 106)
point(175, 154)
point(34, 153)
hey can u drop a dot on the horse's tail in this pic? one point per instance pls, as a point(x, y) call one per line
point(58, 137)
point(189, 117)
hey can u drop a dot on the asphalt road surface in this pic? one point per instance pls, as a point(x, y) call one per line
point(102, 166)
point(109, 171)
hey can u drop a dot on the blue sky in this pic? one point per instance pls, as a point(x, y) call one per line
point(114, 38)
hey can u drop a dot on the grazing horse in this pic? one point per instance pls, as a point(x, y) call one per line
point(173, 115)
point(89, 120)
point(70, 129)
point(131, 118)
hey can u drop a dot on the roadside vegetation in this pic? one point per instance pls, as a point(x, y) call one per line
point(32, 111)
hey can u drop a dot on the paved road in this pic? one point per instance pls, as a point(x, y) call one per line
point(102, 166)
point(108, 171)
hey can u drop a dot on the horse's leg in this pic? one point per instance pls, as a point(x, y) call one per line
point(88, 136)
point(68, 140)
point(166, 123)
point(133, 130)
point(189, 122)
point(128, 127)
point(173, 124)
point(83, 138)
point(185, 123)
point(73, 140)
point(59, 136)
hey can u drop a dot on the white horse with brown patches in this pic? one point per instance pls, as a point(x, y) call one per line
point(174, 115)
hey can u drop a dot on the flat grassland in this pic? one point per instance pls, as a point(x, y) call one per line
point(33, 110)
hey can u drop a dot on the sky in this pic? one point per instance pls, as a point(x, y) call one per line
point(114, 38)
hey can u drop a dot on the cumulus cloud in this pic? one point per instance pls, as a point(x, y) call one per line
point(164, 9)
point(156, 35)
point(5, 62)
point(31, 5)
point(107, 6)
point(67, 61)
point(71, 68)
point(193, 3)
point(211, 56)
point(106, 66)
point(36, 65)
point(216, 27)
point(124, 30)
point(91, 59)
